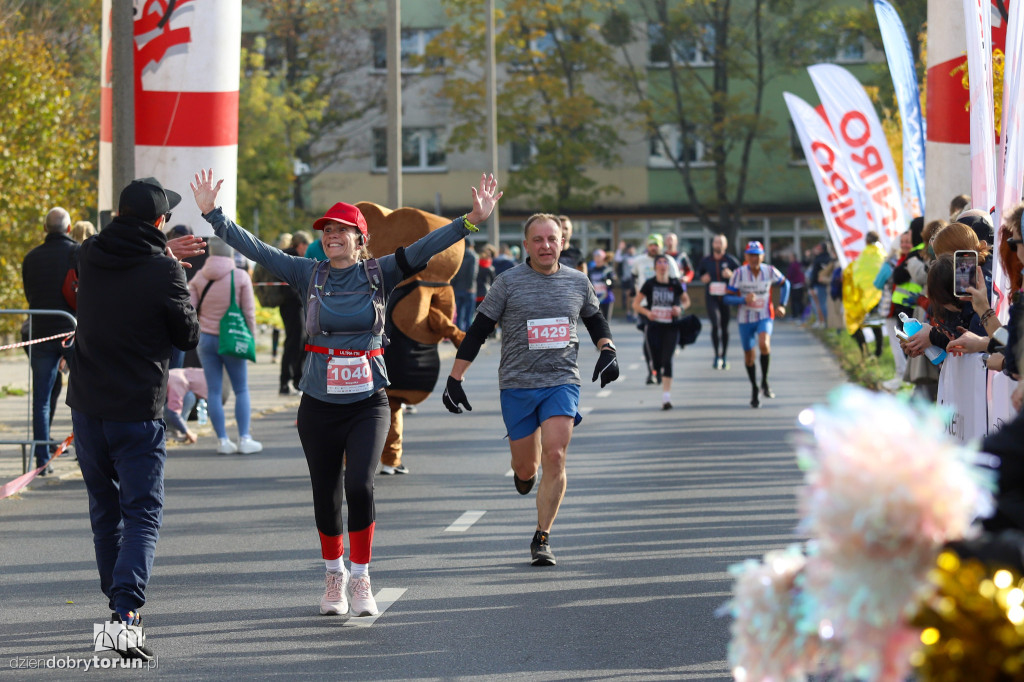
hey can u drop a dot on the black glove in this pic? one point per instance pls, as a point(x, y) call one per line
point(454, 395)
point(607, 368)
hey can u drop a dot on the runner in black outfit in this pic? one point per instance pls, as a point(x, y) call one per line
point(663, 299)
point(715, 271)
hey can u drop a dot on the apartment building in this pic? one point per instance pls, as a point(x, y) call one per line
point(781, 207)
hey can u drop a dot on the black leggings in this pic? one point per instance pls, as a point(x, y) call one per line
point(719, 312)
point(343, 444)
point(660, 343)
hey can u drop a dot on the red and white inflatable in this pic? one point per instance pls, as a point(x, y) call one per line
point(948, 156)
point(186, 98)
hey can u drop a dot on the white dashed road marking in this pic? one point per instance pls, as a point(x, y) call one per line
point(464, 522)
point(385, 598)
point(604, 393)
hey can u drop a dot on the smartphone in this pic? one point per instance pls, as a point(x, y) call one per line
point(965, 272)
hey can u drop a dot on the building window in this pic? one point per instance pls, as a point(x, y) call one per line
point(422, 149)
point(414, 50)
point(523, 152)
point(796, 149)
point(695, 50)
point(841, 48)
point(541, 48)
point(671, 145)
point(523, 149)
point(851, 50)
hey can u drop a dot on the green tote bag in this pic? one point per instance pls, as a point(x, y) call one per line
point(235, 338)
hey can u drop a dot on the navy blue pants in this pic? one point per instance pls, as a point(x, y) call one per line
point(123, 467)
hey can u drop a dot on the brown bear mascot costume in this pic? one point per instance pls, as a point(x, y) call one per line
point(419, 316)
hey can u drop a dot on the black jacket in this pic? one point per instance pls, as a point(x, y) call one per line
point(42, 274)
point(133, 305)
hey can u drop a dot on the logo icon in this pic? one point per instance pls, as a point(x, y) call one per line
point(114, 635)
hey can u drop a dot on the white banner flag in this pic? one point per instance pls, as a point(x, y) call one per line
point(841, 202)
point(1011, 159)
point(862, 141)
point(978, 24)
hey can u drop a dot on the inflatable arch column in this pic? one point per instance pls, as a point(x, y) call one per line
point(186, 99)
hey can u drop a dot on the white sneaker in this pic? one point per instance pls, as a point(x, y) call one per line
point(248, 446)
point(361, 596)
point(226, 447)
point(893, 385)
point(335, 599)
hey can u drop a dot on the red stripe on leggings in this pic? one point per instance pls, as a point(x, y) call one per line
point(332, 546)
point(361, 542)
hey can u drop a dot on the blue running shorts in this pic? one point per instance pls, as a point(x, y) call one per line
point(524, 409)
point(750, 330)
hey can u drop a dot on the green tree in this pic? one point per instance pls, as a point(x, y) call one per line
point(271, 125)
point(317, 47)
point(49, 136)
point(703, 84)
point(553, 94)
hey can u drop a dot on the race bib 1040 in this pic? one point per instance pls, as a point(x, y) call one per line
point(349, 375)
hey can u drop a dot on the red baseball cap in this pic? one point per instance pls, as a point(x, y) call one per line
point(343, 213)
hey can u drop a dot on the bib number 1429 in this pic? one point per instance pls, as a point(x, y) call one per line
point(551, 332)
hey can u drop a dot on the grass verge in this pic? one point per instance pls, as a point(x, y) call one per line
point(867, 371)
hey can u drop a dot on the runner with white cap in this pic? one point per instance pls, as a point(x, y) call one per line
point(751, 288)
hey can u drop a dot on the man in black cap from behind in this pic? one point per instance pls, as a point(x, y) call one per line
point(133, 306)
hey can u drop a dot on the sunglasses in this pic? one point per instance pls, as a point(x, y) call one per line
point(167, 217)
point(1013, 241)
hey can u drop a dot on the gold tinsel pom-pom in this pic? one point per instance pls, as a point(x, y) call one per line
point(972, 626)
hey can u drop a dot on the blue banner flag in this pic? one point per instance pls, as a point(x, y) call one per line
point(908, 98)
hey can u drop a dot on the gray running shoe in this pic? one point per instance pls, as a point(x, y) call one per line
point(541, 550)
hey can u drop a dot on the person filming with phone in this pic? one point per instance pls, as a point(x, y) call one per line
point(999, 344)
point(952, 310)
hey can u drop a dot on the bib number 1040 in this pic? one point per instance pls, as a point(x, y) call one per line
point(349, 375)
point(551, 332)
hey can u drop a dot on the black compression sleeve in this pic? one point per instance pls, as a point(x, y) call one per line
point(598, 327)
point(403, 264)
point(475, 336)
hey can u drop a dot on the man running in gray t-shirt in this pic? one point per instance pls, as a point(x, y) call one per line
point(538, 305)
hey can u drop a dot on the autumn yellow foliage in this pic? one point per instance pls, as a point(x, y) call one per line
point(47, 154)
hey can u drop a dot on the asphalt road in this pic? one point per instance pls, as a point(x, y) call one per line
point(659, 505)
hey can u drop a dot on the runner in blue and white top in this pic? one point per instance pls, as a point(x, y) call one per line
point(344, 416)
point(751, 288)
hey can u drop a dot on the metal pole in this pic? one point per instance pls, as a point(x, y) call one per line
point(122, 39)
point(394, 133)
point(492, 113)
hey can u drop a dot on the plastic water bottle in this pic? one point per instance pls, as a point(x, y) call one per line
point(201, 411)
point(911, 327)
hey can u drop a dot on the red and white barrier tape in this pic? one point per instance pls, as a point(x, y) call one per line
point(33, 341)
point(20, 482)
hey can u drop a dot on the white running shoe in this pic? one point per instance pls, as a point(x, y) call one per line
point(248, 446)
point(335, 599)
point(361, 596)
point(893, 385)
point(226, 447)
